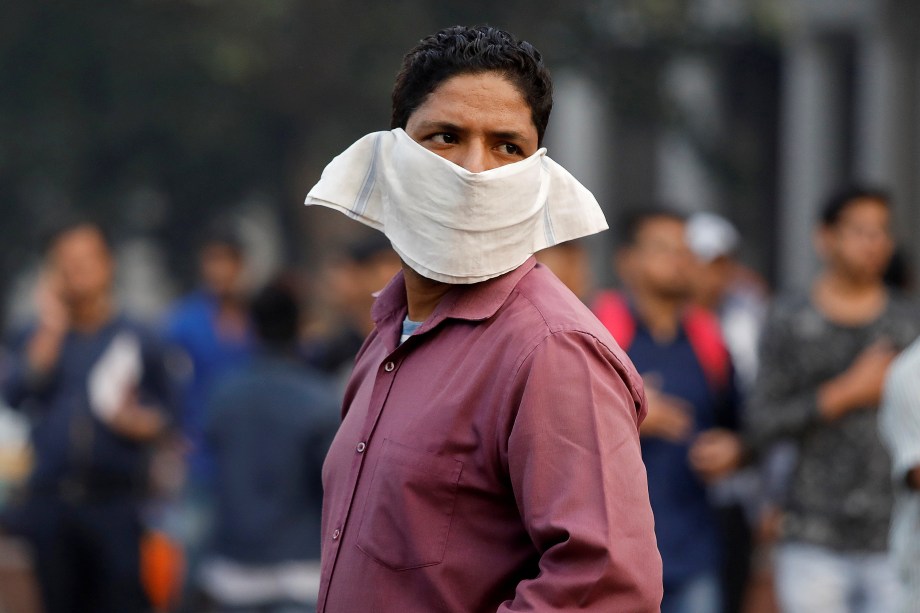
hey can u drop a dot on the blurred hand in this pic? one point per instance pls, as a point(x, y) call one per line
point(668, 418)
point(716, 453)
point(134, 421)
point(53, 322)
point(52, 311)
point(168, 466)
point(769, 527)
point(867, 373)
point(860, 385)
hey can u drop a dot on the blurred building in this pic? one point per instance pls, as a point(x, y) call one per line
point(753, 109)
point(850, 110)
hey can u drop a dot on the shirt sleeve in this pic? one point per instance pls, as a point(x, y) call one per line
point(900, 413)
point(780, 406)
point(579, 482)
point(19, 382)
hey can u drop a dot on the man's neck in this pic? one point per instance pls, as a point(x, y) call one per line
point(422, 294)
point(229, 302)
point(90, 314)
point(848, 286)
point(231, 320)
point(660, 314)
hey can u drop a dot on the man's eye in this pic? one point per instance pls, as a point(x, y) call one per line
point(444, 138)
point(510, 149)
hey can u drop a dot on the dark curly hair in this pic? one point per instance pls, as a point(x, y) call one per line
point(463, 50)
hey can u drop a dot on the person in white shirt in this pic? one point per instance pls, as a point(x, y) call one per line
point(900, 430)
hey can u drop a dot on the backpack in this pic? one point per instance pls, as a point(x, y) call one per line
point(701, 326)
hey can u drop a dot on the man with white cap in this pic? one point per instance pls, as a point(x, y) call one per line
point(733, 292)
point(488, 458)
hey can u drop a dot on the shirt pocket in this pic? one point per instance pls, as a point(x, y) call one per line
point(409, 508)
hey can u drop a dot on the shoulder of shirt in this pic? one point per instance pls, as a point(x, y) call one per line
point(555, 307)
point(790, 305)
point(187, 310)
point(20, 333)
point(286, 379)
point(904, 305)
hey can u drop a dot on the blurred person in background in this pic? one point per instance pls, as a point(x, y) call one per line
point(569, 262)
point(96, 387)
point(739, 297)
point(900, 429)
point(488, 457)
point(688, 438)
point(736, 294)
point(208, 334)
point(269, 425)
point(209, 329)
point(824, 357)
point(350, 282)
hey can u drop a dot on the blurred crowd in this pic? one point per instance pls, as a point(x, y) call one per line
point(177, 467)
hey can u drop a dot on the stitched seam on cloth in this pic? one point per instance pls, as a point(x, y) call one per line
point(548, 225)
point(370, 179)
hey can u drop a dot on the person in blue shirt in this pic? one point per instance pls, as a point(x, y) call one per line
point(208, 334)
point(96, 388)
point(269, 425)
point(688, 436)
point(210, 331)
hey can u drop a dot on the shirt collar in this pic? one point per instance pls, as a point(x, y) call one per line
point(474, 302)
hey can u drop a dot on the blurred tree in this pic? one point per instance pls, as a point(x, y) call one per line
point(158, 115)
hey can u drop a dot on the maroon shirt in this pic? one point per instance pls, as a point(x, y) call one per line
point(491, 462)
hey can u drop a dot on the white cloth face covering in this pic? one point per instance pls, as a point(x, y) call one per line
point(447, 223)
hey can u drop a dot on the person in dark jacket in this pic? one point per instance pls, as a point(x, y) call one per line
point(269, 425)
point(95, 384)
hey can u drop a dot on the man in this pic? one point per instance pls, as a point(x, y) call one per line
point(900, 429)
point(823, 360)
point(269, 426)
point(349, 283)
point(208, 335)
point(96, 385)
point(488, 459)
point(735, 293)
point(210, 330)
point(687, 438)
point(738, 297)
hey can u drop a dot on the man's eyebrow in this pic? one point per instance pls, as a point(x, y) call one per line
point(512, 135)
point(446, 126)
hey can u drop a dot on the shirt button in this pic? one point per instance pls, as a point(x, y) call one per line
point(336, 534)
point(361, 447)
point(389, 366)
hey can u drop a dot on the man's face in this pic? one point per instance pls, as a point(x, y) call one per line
point(477, 121)
point(860, 243)
point(221, 270)
point(81, 264)
point(660, 261)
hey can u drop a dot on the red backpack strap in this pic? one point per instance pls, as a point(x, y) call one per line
point(705, 337)
point(613, 311)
